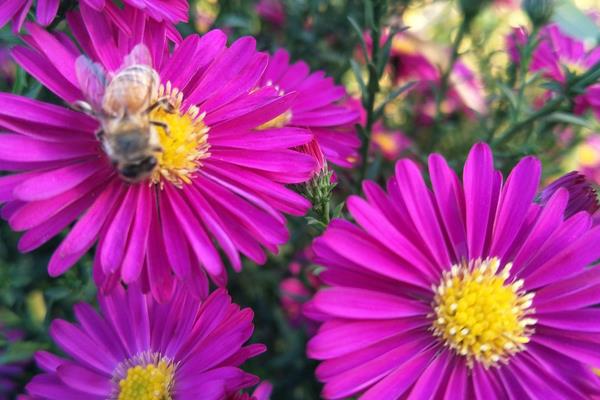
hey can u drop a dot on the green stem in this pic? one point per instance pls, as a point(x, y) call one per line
point(368, 98)
point(526, 54)
point(549, 108)
point(463, 29)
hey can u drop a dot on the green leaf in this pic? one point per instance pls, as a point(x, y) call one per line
point(359, 78)
point(20, 81)
point(337, 211)
point(569, 119)
point(20, 351)
point(508, 93)
point(385, 54)
point(392, 96)
point(361, 38)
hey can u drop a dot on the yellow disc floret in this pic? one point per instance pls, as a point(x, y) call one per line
point(184, 141)
point(150, 382)
point(480, 315)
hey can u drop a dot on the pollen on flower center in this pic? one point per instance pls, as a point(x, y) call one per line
point(145, 377)
point(480, 315)
point(184, 143)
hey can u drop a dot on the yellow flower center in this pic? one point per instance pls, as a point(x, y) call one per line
point(150, 382)
point(184, 143)
point(278, 122)
point(576, 68)
point(587, 155)
point(481, 316)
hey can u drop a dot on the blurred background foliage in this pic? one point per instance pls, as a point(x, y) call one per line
point(409, 124)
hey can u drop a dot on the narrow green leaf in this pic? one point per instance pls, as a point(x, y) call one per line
point(569, 119)
point(384, 55)
point(20, 81)
point(361, 38)
point(358, 76)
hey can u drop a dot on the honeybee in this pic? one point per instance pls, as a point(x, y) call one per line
point(122, 103)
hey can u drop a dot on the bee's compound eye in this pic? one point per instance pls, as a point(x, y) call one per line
point(149, 163)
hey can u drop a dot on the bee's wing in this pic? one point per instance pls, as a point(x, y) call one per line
point(92, 80)
point(139, 55)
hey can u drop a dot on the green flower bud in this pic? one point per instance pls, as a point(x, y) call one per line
point(539, 11)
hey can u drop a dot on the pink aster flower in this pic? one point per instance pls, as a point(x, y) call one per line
point(271, 11)
point(468, 290)
point(391, 144)
point(558, 54)
point(409, 61)
point(173, 11)
point(218, 180)
point(317, 105)
point(138, 349)
point(296, 290)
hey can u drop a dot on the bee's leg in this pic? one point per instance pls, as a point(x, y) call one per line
point(83, 107)
point(164, 103)
point(100, 134)
point(162, 125)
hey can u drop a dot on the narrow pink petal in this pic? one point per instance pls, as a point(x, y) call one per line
point(116, 236)
point(52, 183)
point(515, 200)
point(85, 232)
point(359, 303)
point(85, 380)
point(46, 11)
point(450, 199)
point(133, 260)
point(478, 177)
point(398, 382)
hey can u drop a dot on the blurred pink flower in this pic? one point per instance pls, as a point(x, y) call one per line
point(297, 290)
point(412, 60)
point(557, 55)
point(271, 11)
point(173, 11)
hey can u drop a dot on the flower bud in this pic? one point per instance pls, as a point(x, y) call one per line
point(539, 11)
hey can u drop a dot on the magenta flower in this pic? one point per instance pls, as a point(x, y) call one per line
point(469, 290)
point(219, 179)
point(317, 105)
point(556, 55)
point(271, 11)
point(582, 195)
point(411, 63)
point(173, 11)
point(138, 349)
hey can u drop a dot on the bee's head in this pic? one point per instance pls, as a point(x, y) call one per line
point(139, 170)
point(130, 144)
